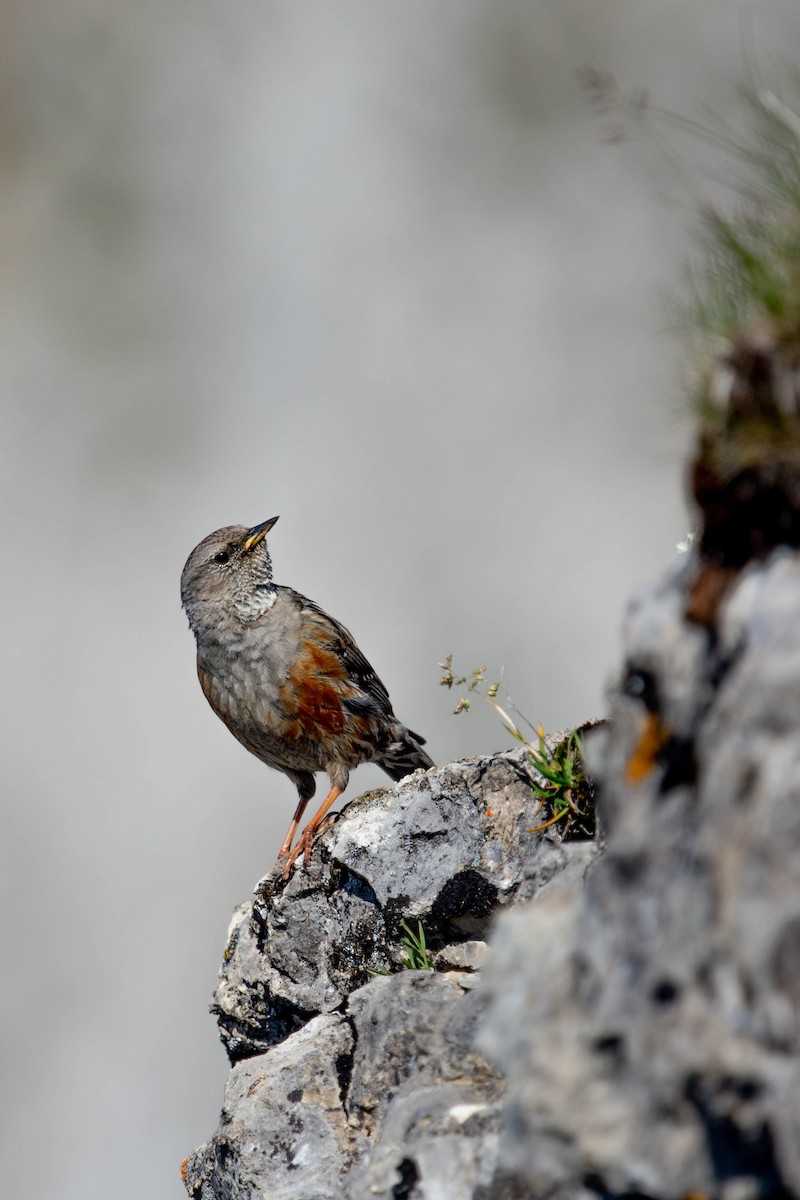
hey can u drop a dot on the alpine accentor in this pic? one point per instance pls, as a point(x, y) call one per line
point(288, 680)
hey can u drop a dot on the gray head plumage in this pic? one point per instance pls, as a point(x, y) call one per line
point(230, 570)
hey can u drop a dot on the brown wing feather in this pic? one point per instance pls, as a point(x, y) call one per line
point(332, 691)
point(329, 633)
point(311, 695)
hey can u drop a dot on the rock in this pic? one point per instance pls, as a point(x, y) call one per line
point(352, 1084)
point(448, 846)
point(417, 1080)
point(416, 1024)
point(632, 1029)
point(661, 1057)
point(283, 1131)
point(466, 956)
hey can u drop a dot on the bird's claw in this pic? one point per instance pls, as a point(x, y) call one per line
point(287, 869)
point(304, 844)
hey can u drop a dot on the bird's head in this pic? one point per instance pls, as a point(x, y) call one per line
point(229, 570)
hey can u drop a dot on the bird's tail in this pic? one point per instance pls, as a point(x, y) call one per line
point(404, 755)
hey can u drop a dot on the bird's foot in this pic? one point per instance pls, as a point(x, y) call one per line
point(304, 844)
point(306, 839)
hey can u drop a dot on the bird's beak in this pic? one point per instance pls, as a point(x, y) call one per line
point(257, 534)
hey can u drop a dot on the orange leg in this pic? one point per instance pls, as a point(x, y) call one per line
point(311, 830)
point(296, 819)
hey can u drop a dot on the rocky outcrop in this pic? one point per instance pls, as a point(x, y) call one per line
point(661, 1057)
point(634, 1030)
point(350, 1083)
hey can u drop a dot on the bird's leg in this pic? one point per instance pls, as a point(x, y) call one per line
point(315, 824)
point(311, 830)
point(296, 819)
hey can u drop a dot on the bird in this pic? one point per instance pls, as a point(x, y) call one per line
point(287, 679)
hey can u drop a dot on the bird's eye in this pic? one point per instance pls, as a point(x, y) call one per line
point(222, 557)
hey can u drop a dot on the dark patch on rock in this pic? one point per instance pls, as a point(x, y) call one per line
point(678, 763)
point(275, 1020)
point(409, 1177)
point(464, 905)
point(354, 885)
point(737, 1152)
point(640, 684)
point(665, 992)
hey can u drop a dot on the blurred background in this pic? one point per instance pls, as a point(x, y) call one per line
point(377, 269)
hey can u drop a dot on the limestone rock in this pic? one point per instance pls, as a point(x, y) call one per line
point(661, 1058)
point(283, 1131)
point(610, 1021)
point(448, 846)
point(352, 1084)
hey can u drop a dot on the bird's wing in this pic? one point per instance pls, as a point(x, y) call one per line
point(361, 690)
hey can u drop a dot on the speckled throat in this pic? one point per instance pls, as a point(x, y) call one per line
point(253, 603)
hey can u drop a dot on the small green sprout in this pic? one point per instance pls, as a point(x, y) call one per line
point(562, 770)
point(416, 956)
